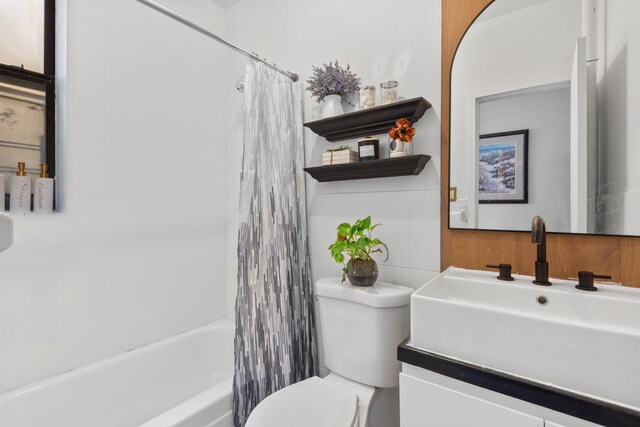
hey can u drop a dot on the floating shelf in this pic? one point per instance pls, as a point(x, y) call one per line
point(372, 121)
point(399, 166)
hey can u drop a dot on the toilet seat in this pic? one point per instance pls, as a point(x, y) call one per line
point(310, 403)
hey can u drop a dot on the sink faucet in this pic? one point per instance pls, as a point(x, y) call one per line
point(539, 237)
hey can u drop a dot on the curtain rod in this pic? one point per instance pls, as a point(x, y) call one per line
point(254, 56)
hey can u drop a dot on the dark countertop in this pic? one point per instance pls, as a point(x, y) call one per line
point(580, 406)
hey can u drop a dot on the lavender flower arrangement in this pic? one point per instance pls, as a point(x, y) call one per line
point(332, 80)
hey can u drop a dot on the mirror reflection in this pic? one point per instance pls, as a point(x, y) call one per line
point(543, 99)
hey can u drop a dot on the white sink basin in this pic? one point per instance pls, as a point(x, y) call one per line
point(586, 342)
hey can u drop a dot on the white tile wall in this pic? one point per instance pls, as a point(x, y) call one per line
point(298, 34)
point(137, 251)
point(145, 243)
point(379, 45)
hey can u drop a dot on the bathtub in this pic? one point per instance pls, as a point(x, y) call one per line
point(181, 381)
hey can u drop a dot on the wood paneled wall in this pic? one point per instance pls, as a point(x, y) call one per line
point(567, 253)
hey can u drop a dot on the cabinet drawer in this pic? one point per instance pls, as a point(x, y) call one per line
point(423, 403)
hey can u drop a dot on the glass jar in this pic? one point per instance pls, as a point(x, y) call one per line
point(367, 97)
point(388, 92)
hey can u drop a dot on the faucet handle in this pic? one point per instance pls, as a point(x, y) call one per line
point(585, 280)
point(504, 271)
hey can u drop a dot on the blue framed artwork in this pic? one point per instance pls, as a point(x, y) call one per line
point(503, 167)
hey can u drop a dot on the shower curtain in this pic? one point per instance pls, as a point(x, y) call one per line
point(275, 329)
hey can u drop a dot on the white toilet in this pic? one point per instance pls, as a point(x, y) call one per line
point(361, 329)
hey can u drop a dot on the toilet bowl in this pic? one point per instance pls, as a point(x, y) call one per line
point(361, 328)
point(315, 402)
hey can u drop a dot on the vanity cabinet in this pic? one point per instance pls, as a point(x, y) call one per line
point(423, 403)
point(430, 399)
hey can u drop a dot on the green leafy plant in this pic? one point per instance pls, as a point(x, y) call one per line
point(356, 241)
point(340, 148)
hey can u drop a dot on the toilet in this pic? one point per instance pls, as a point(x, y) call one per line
point(361, 328)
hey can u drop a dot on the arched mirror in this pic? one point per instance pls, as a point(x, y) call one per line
point(545, 109)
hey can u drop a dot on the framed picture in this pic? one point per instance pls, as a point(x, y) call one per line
point(503, 167)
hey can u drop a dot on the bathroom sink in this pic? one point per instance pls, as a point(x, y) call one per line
point(584, 342)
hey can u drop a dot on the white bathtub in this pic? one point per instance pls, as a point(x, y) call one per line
point(182, 381)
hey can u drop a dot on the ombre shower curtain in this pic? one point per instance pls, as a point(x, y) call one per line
point(275, 328)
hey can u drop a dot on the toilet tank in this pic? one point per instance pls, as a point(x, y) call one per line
point(360, 329)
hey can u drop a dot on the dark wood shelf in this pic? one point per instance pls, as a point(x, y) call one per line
point(372, 121)
point(399, 166)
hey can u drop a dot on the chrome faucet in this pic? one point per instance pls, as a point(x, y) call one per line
point(539, 237)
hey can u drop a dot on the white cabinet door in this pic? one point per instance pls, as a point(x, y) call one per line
point(550, 424)
point(423, 403)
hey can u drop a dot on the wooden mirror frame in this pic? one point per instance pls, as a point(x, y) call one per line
point(618, 256)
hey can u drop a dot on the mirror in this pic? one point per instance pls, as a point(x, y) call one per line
point(545, 118)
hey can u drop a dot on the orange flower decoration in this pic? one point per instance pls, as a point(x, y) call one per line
point(402, 131)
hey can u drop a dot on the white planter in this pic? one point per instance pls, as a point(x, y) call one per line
point(398, 148)
point(332, 106)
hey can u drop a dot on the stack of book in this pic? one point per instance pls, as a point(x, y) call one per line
point(339, 157)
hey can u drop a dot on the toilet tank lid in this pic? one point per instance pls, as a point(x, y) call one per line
point(379, 295)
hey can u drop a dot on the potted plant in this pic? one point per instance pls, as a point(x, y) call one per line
point(332, 84)
point(357, 242)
